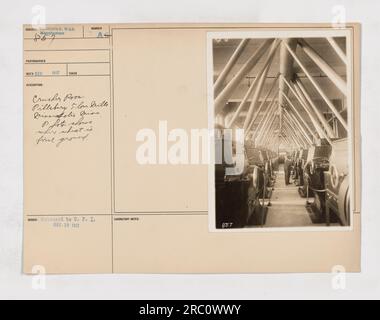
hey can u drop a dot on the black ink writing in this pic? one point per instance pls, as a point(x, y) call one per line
point(65, 119)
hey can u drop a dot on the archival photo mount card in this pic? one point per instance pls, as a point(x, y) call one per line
point(191, 148)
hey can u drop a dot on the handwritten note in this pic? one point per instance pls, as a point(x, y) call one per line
point(62, 119)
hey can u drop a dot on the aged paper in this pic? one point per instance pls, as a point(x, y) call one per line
point(91, 207)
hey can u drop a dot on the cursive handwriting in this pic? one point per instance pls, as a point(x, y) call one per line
point(63, 119)
point(44, 37)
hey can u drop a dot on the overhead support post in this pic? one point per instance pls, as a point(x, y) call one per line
point(274, 136)
point(271, 131)
point(266, 129)
point(270, 141)
point(242, 104)
point(297, 132)
point(318, 88)
point(262, 75)
point(268, 135)
point(291, 135)
point(264, 118)
point(286, 65)
point(261, 79)
point(293, 126)
point(290, 103)
point(262, 105)
point(286, 140)
point(289, 140)
point(265, 126)
point(299, 125)
point(303, 103)
point(320, 128)
point(270, 113)
point(339, 82)
point(301, 143)
point(228, 90)
point(338, 50)
point(230, 64)
point(318, 112)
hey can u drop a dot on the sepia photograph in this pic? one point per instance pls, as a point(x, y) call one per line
point(281, 110)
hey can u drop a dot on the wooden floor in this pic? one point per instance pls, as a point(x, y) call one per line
point(288, 208)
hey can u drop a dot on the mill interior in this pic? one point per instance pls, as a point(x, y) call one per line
point(291, 98)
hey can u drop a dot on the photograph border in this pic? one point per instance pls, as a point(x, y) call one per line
point(282, 32)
